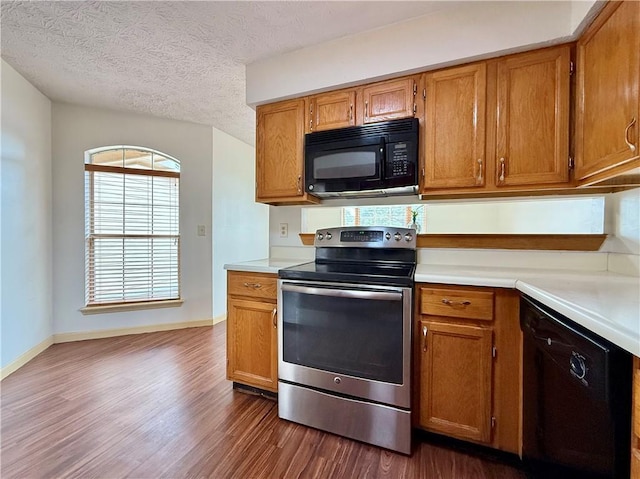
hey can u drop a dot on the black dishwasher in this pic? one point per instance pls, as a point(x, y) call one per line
point(576, 398)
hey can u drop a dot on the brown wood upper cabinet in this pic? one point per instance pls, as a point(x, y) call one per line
point(608, 105)
point(498, 125)
point(280, 153)
point(532, 118)
point(388, 100)
point(455, 110)
point(332, 110)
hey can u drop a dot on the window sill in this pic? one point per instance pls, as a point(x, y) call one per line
point(116, 308)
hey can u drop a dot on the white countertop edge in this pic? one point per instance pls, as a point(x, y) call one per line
point(611, 331)
point(466, 280)
point(266, 265)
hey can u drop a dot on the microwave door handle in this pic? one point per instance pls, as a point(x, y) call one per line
point(344, 293)
point(383, 156)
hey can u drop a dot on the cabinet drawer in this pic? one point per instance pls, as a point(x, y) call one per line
point(254, 285)
point(457, 303)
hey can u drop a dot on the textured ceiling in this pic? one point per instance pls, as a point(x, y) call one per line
point(178, 59)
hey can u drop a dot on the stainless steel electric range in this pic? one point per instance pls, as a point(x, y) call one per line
point(344, 325)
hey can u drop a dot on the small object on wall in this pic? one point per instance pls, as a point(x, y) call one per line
point(284, 230)
point(414, 217)
point(202, 230)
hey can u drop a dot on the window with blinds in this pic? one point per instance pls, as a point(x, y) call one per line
point(132, 234)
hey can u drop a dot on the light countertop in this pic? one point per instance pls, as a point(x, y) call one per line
point(268, 265)
point(606, 303)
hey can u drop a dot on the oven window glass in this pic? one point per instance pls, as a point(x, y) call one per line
point(341, 164)
point(353, 336)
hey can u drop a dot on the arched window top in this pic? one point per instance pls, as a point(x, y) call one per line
point(135, 157)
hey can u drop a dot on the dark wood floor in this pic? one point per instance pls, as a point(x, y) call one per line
point(158, 405)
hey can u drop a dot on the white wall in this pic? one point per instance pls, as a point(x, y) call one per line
point(292, 215)
point(623, 224)
point(26, 216)
point(240, 225)
point(471, 31)
point(77, 129)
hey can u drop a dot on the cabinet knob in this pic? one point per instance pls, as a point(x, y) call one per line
point(299, 184)
point(253, 285)
point(366, 109)
point(631, 146)
point(502, 168)
point(274, 315)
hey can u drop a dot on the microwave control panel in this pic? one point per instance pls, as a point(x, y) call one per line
point(397, 161)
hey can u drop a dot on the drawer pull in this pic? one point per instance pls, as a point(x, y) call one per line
point(253, 285)
point(274, 316)
point(456, 303)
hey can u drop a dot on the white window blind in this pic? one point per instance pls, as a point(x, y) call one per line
point(132, 226)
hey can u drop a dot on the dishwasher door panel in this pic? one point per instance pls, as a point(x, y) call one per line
point(576, 398)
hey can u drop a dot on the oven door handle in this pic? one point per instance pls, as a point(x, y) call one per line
point(344, 293)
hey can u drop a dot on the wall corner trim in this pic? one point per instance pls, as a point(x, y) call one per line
point(219, 319)
point(25, 357)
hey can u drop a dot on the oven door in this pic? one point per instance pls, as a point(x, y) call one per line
point(351, 339)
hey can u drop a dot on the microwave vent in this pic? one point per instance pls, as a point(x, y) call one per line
point(376, 129)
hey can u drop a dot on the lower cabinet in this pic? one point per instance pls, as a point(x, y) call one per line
point(456, 369)
point(252, 351)
point(467, 346)
point(635, 421)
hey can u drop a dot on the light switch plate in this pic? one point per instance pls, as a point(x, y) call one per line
point(202, 230)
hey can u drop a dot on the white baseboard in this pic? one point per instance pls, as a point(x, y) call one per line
point(25, 357)
point(110, 333)
point(105, 333)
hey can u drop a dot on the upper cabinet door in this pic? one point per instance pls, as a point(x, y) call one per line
point(532, 122)
point(455, 113)
point(332, 110)
point(280, 151)
point(389, 100)
point(607, 127)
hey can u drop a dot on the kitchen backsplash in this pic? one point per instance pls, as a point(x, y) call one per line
point(620, 252)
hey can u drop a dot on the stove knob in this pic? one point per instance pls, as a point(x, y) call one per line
point(328, 235)
point(388, 235)
point(408, 237)
point(397, 236)
point(320, 236)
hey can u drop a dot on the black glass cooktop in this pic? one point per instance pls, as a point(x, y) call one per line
point(345, 272)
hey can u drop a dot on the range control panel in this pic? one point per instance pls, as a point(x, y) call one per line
point(366, 237)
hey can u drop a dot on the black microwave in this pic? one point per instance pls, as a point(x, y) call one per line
point(380, 159)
